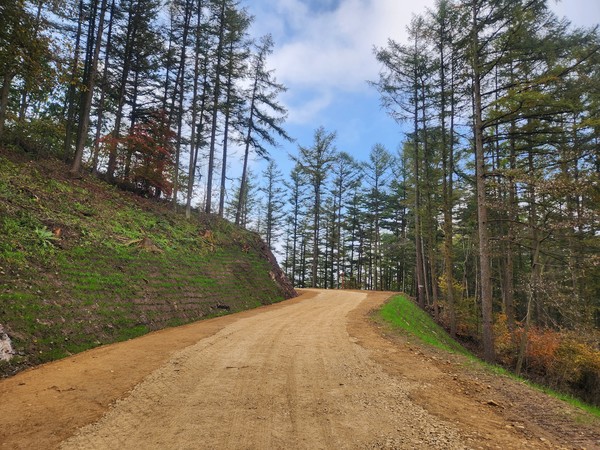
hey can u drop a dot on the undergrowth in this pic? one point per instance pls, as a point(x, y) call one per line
point(83, 264)
point(404, 315)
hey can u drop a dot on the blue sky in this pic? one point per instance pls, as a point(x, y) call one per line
point(323, 54)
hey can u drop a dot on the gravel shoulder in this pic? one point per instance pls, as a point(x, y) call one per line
point(310, 373)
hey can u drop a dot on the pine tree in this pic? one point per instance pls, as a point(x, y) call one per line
point(137, 51)
point(402, 85)
point(346, 173)
point(265, 115)
point(274, 200)
point(314, 163)
point(220, 7)
point(233, 107)
point(296, 187)
point(89, 81)
point(377, 173)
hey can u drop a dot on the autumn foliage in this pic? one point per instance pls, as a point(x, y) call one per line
point(147, 154)
point(561, 359)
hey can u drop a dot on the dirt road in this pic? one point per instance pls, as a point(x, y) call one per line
point(311, 373)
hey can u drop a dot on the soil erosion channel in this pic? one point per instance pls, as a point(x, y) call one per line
point(300, 374)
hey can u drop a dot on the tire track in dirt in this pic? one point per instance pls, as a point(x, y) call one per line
point(289, 378)
point(310, 373)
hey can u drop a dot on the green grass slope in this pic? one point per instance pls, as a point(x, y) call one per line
point(83, 264)
point(404, 316)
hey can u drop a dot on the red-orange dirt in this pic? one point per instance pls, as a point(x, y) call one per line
point(312, 372)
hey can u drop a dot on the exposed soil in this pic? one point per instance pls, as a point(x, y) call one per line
point(312, 372)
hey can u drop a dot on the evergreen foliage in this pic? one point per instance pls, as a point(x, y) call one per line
point(487, 214)
point(78, 81)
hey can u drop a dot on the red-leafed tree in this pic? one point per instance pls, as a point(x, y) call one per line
point(151, 144)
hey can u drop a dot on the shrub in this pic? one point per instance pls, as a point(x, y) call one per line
point(40, 137)
point(560, 359)
point(577, 365)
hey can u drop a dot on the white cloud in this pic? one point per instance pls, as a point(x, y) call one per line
point(331, 46)
point(304, 108)
point(334, 48)
point(329, 50)
point(324, 48)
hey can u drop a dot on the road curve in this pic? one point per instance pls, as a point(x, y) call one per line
point(283, 379)
point(309, 373)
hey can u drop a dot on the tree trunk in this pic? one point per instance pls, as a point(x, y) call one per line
point(295, 240)
point(4, 100)
point(421, 296)
point(215, 109)
point(482, 213)
point(96, 153)
point(197, 129)
point(428, 262)
point(244, 181)
point(87, 98)
point(447, 185)
point(112, 157)
point(247, 149)
point(226, 132)
point(70, 105)
point(133, 116)
point(509, 289)
point(533, 280)
point(315, 253)
point(182, 59)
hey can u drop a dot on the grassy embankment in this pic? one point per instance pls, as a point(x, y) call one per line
point(406, 317)
point(83, 264)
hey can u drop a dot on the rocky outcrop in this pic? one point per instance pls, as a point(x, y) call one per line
point(276, 273)
point(6, 350)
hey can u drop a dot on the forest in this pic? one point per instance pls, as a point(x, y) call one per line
point(487, 212)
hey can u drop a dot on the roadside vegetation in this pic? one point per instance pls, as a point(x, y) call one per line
point(405, 316)
point(83, 264)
